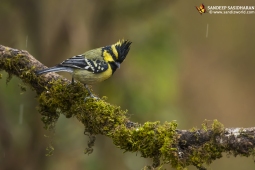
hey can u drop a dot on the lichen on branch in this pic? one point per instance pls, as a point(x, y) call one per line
point(163, 143)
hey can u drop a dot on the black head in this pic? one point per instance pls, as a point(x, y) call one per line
point(115, 54)
point(122, 48)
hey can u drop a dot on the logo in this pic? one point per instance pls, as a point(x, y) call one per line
point(201, 9)
point(225, 9)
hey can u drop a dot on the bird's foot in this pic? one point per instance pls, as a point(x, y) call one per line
point(90, 95)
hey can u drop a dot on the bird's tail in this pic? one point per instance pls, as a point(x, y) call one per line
point(54, 69)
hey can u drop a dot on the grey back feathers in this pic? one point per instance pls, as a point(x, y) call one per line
point(54, 69)
point(82, 62)
point(78, 62)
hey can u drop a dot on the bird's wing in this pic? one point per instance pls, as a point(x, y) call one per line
point(81, 62)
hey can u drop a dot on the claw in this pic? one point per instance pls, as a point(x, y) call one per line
point(91, 97)
point(90, 94)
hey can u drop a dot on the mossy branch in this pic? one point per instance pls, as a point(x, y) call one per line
point(164, 143)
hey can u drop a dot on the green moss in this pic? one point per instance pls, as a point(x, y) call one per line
point(50, 150)
point(57, 100)
point(152, 140)
point(205, 154)
point(205, 125)
point(208, 151)
point(98, 116)
point(9, 77)
point(17, 63)
point(194, 129)
point(217, 127)
point(22, 88)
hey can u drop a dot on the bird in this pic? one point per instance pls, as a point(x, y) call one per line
point(93, 66)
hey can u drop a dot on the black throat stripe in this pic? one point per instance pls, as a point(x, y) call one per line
point(109, 50)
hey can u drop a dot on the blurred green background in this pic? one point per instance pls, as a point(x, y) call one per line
point(174, 71)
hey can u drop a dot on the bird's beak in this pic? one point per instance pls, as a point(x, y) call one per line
point(117, 64)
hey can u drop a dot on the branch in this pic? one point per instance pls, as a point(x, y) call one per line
point(164, 143)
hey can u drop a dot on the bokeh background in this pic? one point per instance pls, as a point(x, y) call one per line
point(182, 66)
